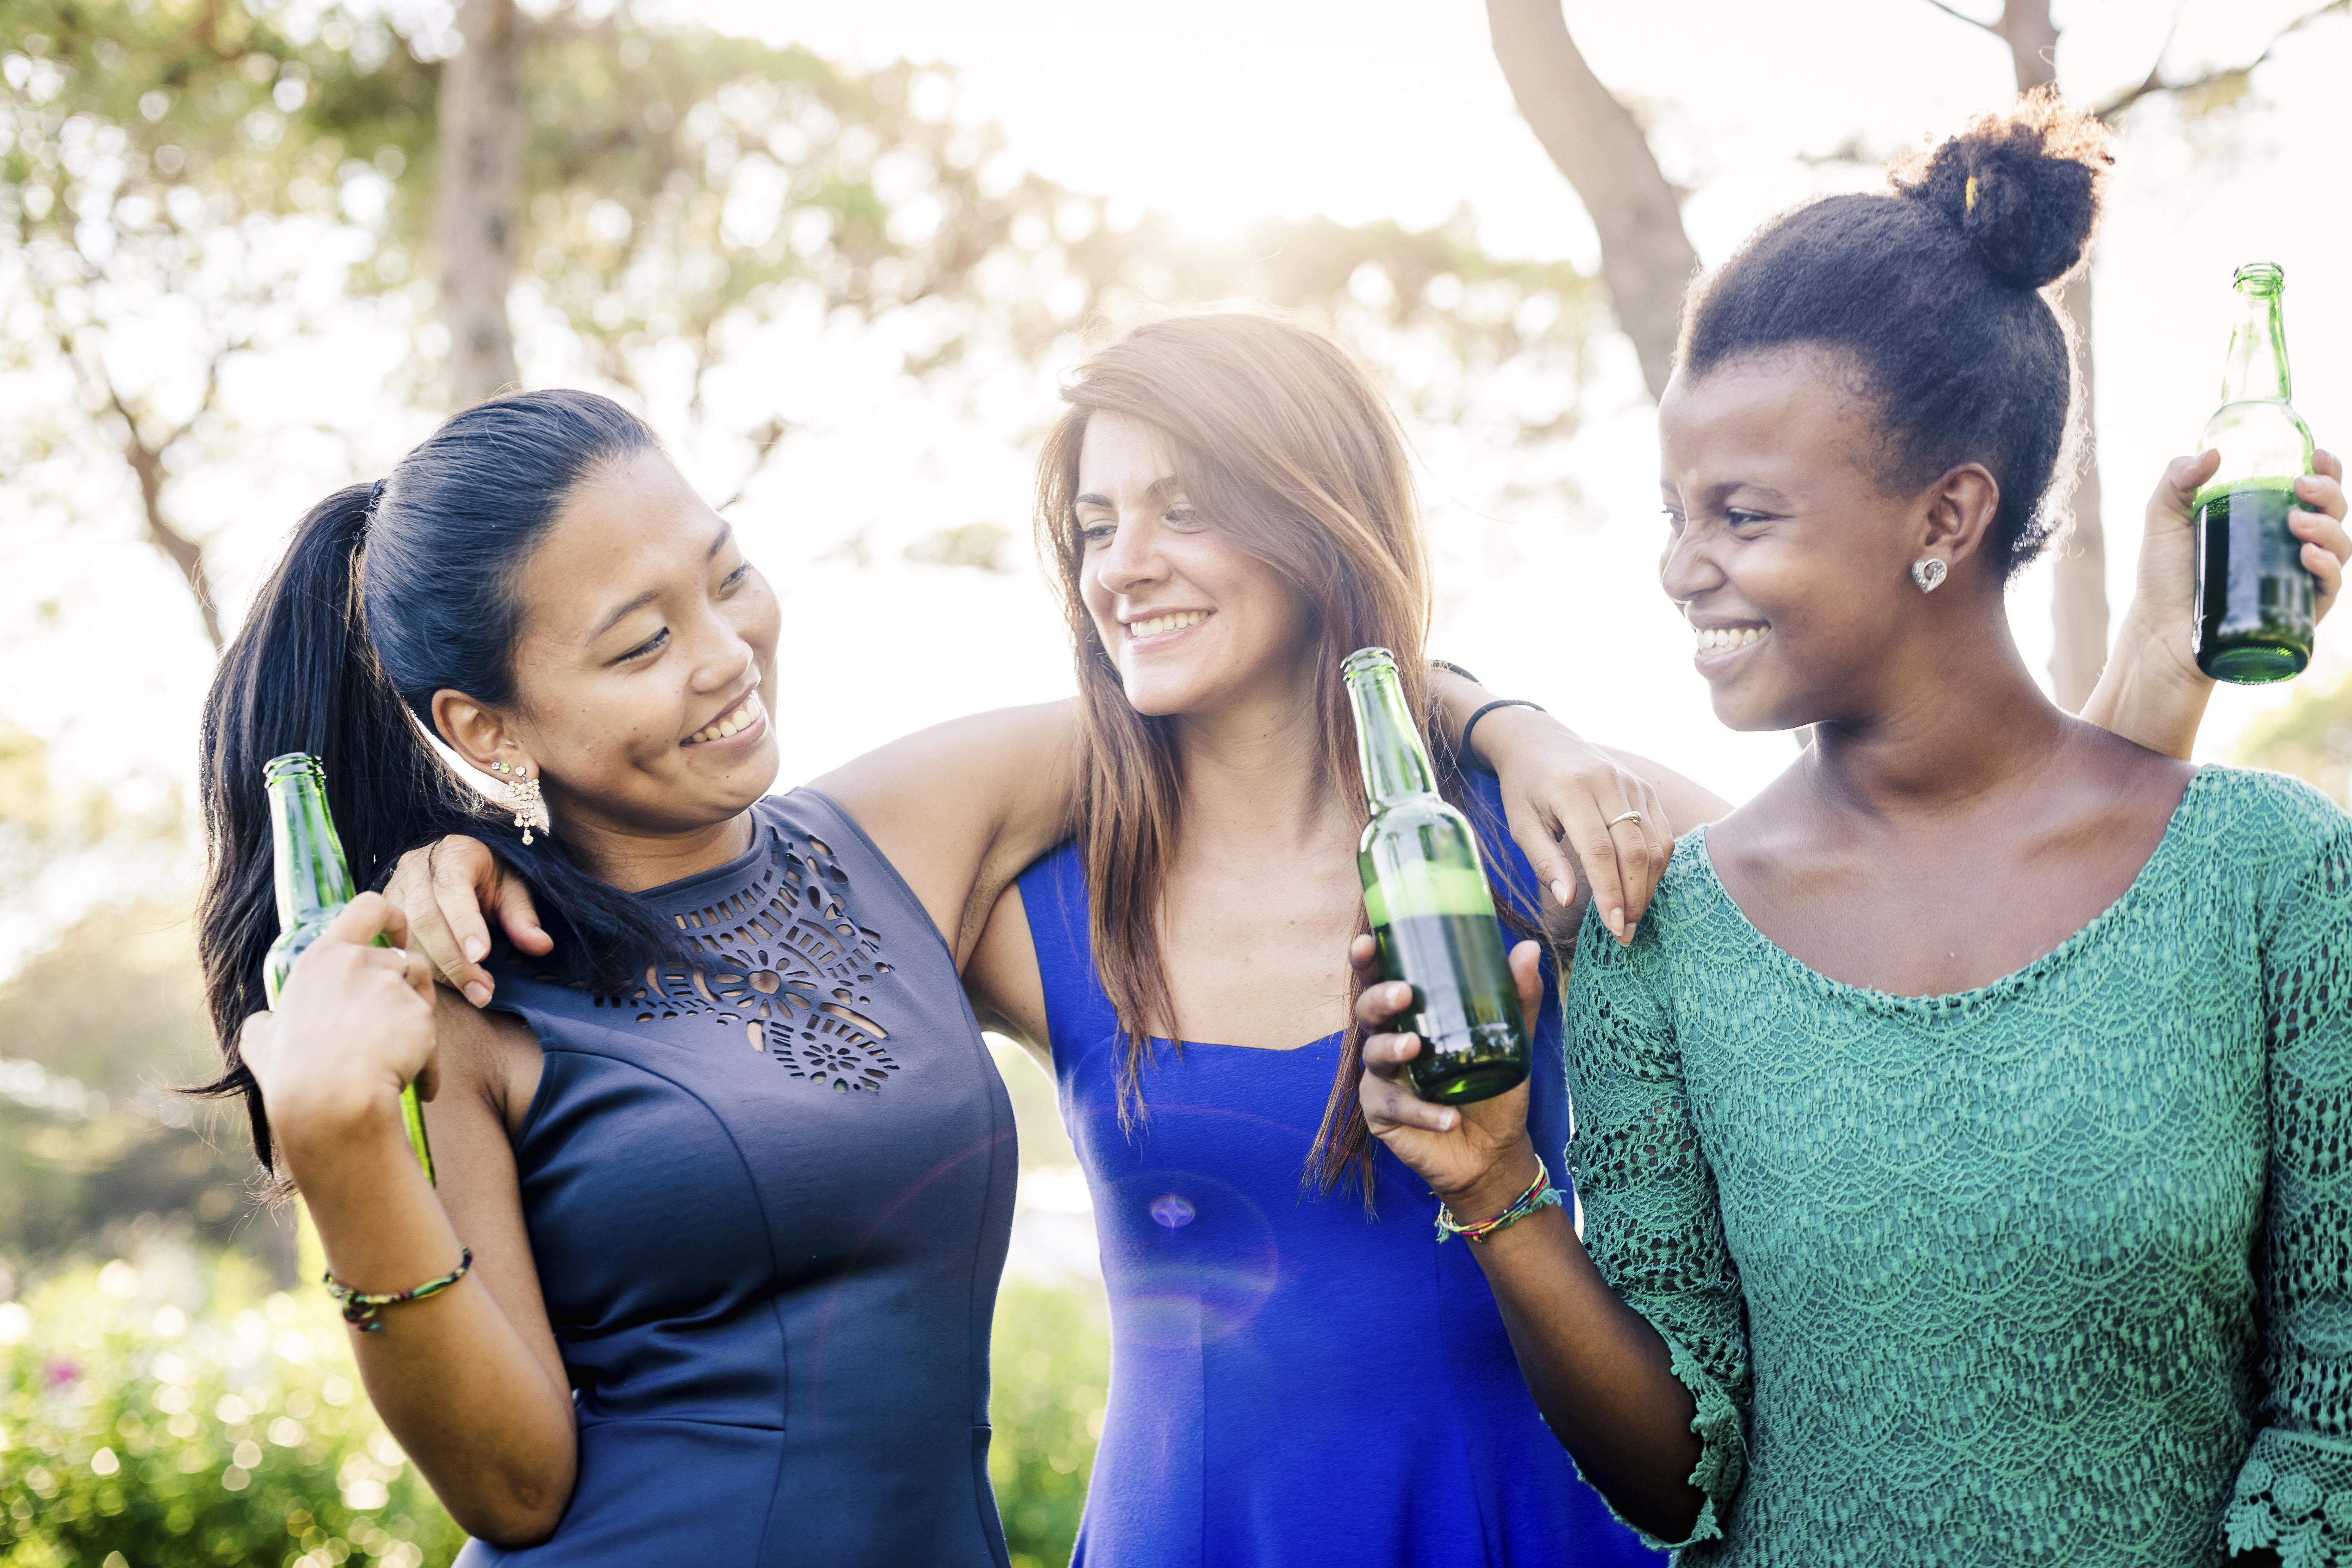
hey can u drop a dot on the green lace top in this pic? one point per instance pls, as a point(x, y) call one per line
point(2058, 1270)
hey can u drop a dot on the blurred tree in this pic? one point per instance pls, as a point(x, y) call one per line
point(185, 183)
point(98, 1031)
point(1646, 257)
point(2310, 737)
point(482, 128)
point(174, 176)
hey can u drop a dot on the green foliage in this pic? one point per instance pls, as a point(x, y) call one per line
point(2310, 737)
point(94, 1143)
point(182, 1415)
point(1050, 1370)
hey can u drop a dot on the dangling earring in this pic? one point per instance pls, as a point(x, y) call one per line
point(1929, 573)
point(529, 808)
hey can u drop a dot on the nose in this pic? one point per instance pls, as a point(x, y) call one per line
point(1687, 568)
point(725, 657)
point(1132, 560)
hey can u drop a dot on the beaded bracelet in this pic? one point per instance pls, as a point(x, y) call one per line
point(1462, 747)
point(359, 1307)
point(1541, 1194)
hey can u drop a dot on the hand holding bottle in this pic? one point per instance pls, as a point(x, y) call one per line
point(353, 1026)
point(2163, 609)
point(1476, 1158)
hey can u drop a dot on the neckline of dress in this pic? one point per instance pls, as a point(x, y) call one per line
point(663, 894)
point(1261, 1050)
point(2159, 860)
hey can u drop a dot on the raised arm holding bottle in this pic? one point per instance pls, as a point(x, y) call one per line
point(1958, 1138)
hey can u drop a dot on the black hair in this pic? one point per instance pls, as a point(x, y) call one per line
point(1936, 293)
point(389, 594)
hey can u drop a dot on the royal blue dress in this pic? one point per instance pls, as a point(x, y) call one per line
point(1292, 1381)
point(769, 1189)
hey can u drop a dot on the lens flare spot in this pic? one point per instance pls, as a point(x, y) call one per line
point(1171, 1211)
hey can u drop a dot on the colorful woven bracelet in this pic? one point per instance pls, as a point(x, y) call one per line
point(360, 1308)
point(1541, 1194)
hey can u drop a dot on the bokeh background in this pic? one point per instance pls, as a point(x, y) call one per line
point(839, 255)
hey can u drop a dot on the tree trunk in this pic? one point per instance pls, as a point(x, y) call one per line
point(1646, 260)
point(2078, 603)
point(478, 220)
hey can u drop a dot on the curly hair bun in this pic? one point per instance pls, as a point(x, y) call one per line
point(2024, 186)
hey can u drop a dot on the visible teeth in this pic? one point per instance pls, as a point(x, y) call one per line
point(733, 723)
point(1726, 639)
point(1159, 623)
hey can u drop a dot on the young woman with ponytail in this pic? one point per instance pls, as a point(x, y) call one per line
point(725, 1172)
point(1962, 1139)
point(1228, 511)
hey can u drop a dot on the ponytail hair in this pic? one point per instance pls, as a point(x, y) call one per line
point(388, 594)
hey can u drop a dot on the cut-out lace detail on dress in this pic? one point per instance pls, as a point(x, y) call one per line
point(781, 964)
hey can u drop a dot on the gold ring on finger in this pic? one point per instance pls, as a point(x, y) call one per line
point(1635, 817)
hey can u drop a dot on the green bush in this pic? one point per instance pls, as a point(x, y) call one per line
point(1049, 1371)
point(182, 1414)
point(185, 1414)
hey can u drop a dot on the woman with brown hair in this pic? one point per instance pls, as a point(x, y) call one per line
point(1229, 511)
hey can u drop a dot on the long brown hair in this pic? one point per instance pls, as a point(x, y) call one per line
point(1283, 443)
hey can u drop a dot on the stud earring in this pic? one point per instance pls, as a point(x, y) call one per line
point(1929, 573)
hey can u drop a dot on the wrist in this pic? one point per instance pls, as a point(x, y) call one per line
point(328, 1126)
point(1492, 1190)
point(1505, 733)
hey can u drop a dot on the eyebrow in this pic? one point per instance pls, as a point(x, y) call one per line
point(622, 612)
point(1166, 485)
point(1719, 494)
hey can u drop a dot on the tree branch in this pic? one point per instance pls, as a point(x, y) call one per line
point(2156, 83)
point(768, 437)
point(147, 466)
point(1964, 17)
point(1647, 258)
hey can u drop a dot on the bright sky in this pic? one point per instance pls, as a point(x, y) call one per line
point(1360, 109)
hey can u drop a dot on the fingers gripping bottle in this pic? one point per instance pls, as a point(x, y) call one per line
point(2254, 596)
point(1432, 913)
point(314, 883)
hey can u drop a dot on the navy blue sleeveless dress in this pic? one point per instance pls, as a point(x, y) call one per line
point(1292, 1382)
point(769, 1191)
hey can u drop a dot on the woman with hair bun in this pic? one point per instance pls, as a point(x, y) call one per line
point(1965, 1139)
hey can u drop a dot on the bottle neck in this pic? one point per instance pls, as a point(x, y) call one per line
point(2257, 369)
point(312, 874)
point(1388, 743)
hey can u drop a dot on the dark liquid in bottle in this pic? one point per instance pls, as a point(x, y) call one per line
point(2254, 596)
point(1471, 1047)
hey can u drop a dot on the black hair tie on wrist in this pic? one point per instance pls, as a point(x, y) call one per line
point(1452, 668)
point(1462, 748)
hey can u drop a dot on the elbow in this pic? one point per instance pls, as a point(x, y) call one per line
point(521, 1514)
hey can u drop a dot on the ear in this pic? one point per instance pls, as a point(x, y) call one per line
point(478, 734)
point(1959, 509)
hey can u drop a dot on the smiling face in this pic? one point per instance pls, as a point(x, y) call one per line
point(1786, 551)
point(646, 642)
point(1193, 622)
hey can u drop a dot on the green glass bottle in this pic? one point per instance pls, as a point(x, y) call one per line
point(1432, 912)
point(2254, 596)
point(314, 882)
